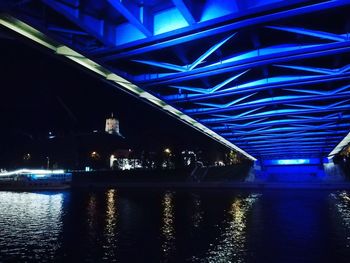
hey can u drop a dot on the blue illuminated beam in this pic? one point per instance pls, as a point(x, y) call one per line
point(281, 100)
point(164, 65)
point(278, 146)
point(278, 130)
point(288, 135)
point(256, 58)
point(311, 33)
point(134, 14)
point(295, 110)
point(185, 67)
point(286, 121)
point(280, 81)
point(258, 85)
point(185, 10)
point(96, 27)
point(213, 89)
point(281, 142)
point(209, 52)
point(149, 44)
point(325, 71)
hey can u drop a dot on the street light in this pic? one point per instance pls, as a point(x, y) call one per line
point(167, 150)
point(94, 155)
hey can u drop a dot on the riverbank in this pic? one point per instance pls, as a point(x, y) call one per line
point(221, 185)
point(215, 177)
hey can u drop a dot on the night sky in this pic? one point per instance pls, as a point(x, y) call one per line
point(41, 92)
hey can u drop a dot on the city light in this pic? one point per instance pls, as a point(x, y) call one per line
point(95, 155)
point(32, 171)
point(27, 157)
point(167, 150)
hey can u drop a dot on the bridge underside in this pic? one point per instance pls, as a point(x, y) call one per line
point(267, 78)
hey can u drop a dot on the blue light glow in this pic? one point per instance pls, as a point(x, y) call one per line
point(291, 161)
point(168, 20)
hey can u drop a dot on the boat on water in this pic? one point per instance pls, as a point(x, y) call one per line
point(28, 179)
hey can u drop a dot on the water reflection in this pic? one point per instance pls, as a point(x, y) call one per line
point(342, 204)
point(110, 227)
point(30, 226)
point(143, 226)
point(197, 215)
point(91, 211)
point(168, 229)
point(231, 244)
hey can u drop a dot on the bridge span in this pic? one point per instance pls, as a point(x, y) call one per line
point(267, 78)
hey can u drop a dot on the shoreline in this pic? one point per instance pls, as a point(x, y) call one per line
point(220, 185)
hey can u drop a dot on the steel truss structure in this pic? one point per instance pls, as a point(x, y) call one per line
point(268, 78)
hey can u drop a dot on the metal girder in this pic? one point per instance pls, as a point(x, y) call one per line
point(233, 105)
point(199, 32)
point(240, 72)
point(255, 86)
point(299, 142)
point(289, 120)
point(185, 10)
point(288, 135)
point(273, 113)
point(278, 130)
point(135, 14)
point(247, 61)
point(91, 25)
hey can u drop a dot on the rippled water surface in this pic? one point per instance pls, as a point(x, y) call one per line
point(175, 226)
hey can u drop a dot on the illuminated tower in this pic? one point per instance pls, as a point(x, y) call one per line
point(112, 125)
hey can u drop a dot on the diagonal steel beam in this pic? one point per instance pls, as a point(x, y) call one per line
point(186, 67)
point(288, 135)
point(291, 148)
point(288, 100)
point(244, 63)
point(285, 121)
point(132, 16)
point(92, 25)
point(278, 130)
point(311, 33)
point(185, 11)
point(272, 113)
point(325, 71)
point(320, 92)
point(319, 140)
point(198, 31)
point(184, 98)
point(162, 65)
point(209, 52)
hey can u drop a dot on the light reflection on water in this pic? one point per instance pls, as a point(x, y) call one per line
point(230, 246)
point(30, 226)
point(197, 214)
point(175, 226)
point(110, 233)
point(168, 228)
point(342, 205)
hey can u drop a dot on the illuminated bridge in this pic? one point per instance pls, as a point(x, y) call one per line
point(268, 78)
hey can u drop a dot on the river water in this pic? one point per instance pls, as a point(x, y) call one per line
point(133, 225)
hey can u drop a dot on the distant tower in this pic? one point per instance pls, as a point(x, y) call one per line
point(112, 125)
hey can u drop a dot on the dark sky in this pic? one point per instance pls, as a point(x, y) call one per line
point(41, 92)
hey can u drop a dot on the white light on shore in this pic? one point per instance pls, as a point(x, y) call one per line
point(32, 171)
